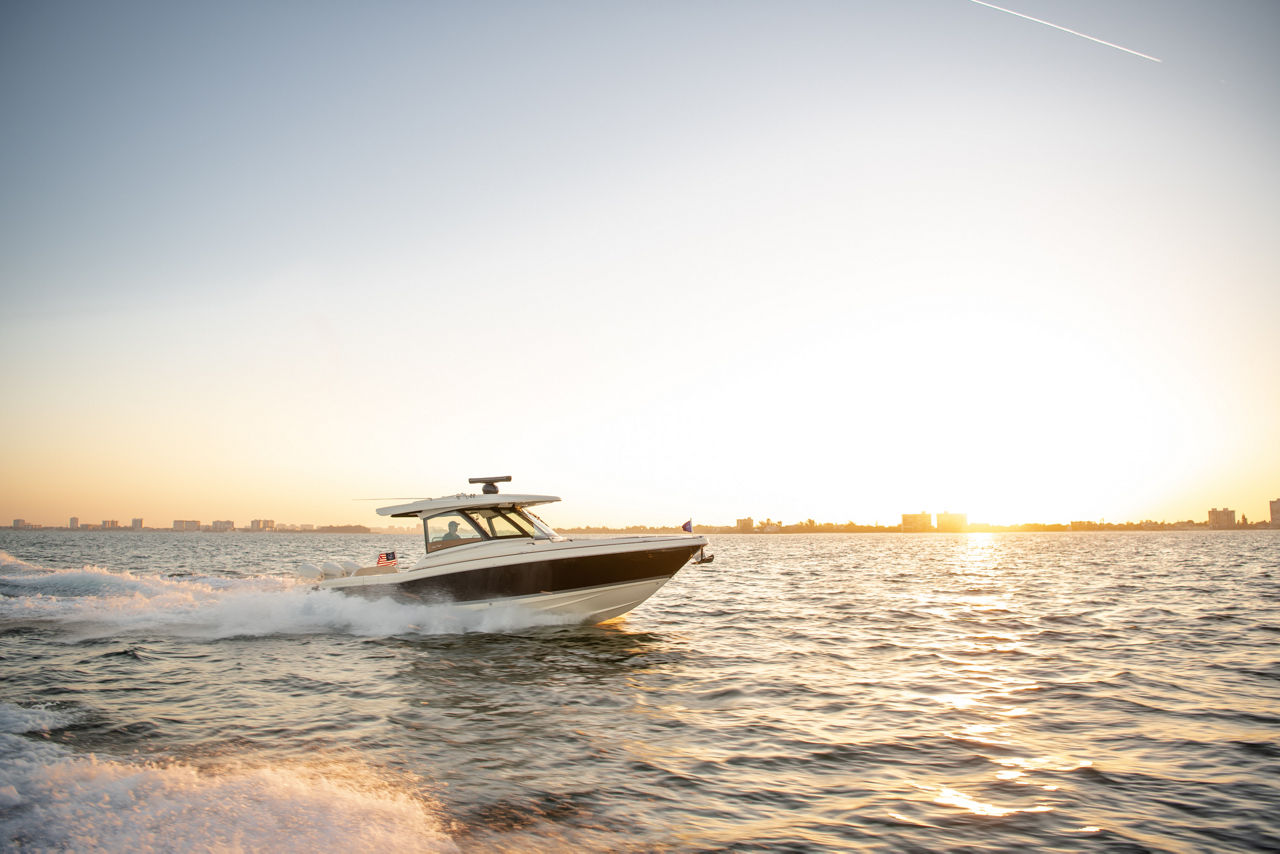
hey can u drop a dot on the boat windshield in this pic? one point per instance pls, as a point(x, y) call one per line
point(458, 527)
point(450, 529)
point(544, 530)
point(496, 523)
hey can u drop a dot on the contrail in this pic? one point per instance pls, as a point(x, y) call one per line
point(1065, 30)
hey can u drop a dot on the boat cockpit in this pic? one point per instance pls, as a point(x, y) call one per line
point(472, 525)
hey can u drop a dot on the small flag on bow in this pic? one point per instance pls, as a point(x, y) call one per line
point(687, 527)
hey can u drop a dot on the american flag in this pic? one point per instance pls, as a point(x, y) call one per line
point(387, 559)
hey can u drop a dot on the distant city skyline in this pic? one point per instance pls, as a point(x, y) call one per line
point(1222, 518)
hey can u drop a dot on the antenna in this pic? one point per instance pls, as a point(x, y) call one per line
point(490, 483)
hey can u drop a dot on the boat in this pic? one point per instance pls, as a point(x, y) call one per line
point(489, 549)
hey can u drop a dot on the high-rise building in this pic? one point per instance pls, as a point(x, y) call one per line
point(136, 524)
point(110, 524)
point(222, 526)
point(75, 522)
point(1222, 519)
point(1275, 513)
point(745, 526)
point(953, 523)
point(186, 525)
point(917, 523)
point(262, 525)
point(19, 523)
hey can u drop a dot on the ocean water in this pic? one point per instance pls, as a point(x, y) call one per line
point(1052, 692)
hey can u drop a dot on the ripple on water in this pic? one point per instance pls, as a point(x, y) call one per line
point(1039, 692)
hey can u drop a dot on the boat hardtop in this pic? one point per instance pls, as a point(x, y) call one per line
point(462, 501)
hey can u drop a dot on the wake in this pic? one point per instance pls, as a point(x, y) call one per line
point(54, 800)
point(94, 602)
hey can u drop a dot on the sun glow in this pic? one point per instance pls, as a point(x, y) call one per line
point(869, 268)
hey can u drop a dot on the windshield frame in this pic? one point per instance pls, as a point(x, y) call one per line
point(482, 518)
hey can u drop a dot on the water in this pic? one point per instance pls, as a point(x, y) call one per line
point(1057, 692)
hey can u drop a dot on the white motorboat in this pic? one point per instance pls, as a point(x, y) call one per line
point(490, 549)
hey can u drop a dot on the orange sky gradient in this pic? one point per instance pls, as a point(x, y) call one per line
point(838, 262)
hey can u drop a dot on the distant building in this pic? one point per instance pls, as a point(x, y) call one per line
point(19, 523)
point(262, 525)
point(136, 524)
point(186, 525)
point(222, 526)
point(953, 523)
point(747, 525)
point(1222, 519)
point(75, 522)
point(1275, 513)
point(110, 524)
point(917, 523)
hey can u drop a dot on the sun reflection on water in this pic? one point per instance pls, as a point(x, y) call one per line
point(984, 685)
point(953, 798)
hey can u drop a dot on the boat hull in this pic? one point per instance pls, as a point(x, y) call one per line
point(586, 581)
point(583, 605)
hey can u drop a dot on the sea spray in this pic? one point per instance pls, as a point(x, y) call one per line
point(94, 602)
point(52, 799)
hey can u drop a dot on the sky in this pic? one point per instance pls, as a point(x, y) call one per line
point(666, 260)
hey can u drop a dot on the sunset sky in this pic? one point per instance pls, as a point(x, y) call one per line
point(831, 260)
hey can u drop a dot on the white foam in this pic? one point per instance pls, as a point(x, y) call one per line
point(18, 719)
point(95, 602)
point(53, 800)
point(12, 565)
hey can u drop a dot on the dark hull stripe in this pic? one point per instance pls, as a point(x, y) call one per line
point(533, 577)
